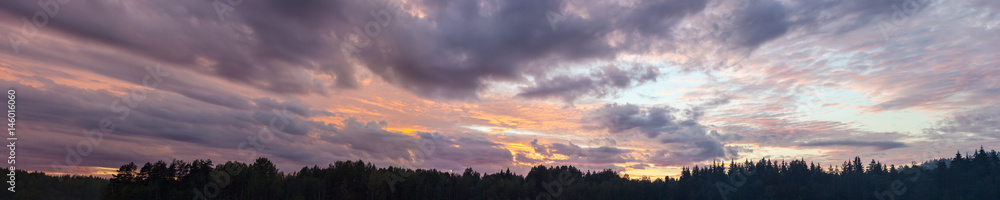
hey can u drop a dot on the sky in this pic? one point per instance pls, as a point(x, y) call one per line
point(642, 87)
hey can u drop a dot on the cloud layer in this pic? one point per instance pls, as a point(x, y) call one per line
point(643, 86)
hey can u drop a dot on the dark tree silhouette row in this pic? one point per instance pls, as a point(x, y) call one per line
point(973, 176)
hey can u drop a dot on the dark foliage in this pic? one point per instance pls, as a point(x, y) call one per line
point(973, 176)
point(39, 186)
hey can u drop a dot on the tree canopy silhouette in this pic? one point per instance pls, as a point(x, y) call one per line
point(971, 176)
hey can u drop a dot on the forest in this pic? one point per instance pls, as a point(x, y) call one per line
point(971, 176)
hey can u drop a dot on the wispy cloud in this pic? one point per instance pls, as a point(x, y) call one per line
point(627, 85)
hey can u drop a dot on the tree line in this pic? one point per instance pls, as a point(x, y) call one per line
point(971, 176)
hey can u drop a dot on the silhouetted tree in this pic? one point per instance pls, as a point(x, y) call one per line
point(970, 176)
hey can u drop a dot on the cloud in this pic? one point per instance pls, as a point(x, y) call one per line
point(691, 152)
point(983, 121)
point(443, 49)
point(682, 140)
point(521, 157)
point(166, 125)
point(598, 84)
point(584, 156)
point(639, 166)
point(370, 140)
point(759, 22)
point(651, 121)
point(285, 47)
point(162, 124)
point(880, 145)
point(232, 73)
point(454, 58)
